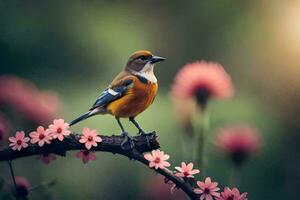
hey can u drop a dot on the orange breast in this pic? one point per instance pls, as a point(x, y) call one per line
point(136, 100)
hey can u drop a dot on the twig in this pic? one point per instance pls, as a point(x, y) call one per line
point(13, 177)
point(109, 144)
point(180, 183)
point(44, 184)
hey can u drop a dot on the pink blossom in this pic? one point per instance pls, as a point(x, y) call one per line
point(59, 129)
point(202, 80)
point(40, 136)
point(207, 189)
point(157, 159)
point(238, 142)
point(232, 194)
point(186, 170)
point(90, 138)
point(19, 141)
point(46, 158)
point(86, 156)
point(23, 96)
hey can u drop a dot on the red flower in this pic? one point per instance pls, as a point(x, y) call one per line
point(90, 138)
point(19, 141)
point(186, 170)
point(157, 159)
point(40, 136)
point(238, 142)
point(59, 129)
point(207, 189)
point(202, 80)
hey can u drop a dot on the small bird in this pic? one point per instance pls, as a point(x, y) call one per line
point(131, 92)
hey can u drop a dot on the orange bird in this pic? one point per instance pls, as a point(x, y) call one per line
point(131, 92)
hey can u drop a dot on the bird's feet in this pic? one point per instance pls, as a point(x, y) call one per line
point(148, 136)
point(128, 142)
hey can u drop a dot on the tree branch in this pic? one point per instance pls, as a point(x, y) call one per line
point(109, 144)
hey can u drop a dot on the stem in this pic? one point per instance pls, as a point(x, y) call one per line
point(45, 184)
point(188, 147)
point(234, 177)
point(204, 126)
point(13, 177)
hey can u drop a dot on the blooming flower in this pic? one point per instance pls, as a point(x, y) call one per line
point(46, 158)
point(19, 141)
point(186, 170)
point(238, 142)
point(232, 194)
point(86, 156)
point(157, 159)
point(40, 136)
point(202, 80)
point(90, 138)
point(59, 129)
point(207, 189)
point(23, 96)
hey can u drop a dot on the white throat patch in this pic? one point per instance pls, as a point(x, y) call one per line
point(147, 72)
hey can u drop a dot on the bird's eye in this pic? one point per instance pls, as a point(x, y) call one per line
point(143, 58)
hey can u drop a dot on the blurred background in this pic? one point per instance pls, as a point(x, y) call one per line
point(68, 51)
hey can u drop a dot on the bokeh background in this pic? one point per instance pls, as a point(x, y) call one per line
point(74, 49)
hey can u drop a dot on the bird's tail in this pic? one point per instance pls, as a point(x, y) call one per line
point(82, 117)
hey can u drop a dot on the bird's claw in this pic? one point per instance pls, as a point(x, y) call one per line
point(128, 142)
point(148, 136)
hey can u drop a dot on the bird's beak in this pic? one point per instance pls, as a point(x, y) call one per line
point(156, 59)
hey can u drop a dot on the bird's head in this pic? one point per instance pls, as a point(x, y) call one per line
point(142, 61)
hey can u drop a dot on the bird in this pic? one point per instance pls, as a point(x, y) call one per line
point(130, 93)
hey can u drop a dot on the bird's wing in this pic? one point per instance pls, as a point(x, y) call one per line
point(116, 90)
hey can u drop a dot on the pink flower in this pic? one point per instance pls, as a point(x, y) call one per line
point(233, 194)
point(40, 136)
point(90, 138)
point(186, 170)
point(46, 158)
point(202, 80)
point(19, 142)
point(23, 96)
point(157, 159)
point(59, 129)
point(207, 189)
point(86, 156)
point(238, 142)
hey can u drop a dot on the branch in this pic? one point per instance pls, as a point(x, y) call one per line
point(109, 144)
point(169, 175)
